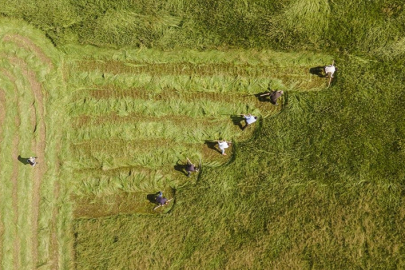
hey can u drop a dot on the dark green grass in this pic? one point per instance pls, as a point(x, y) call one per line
point(353, 26)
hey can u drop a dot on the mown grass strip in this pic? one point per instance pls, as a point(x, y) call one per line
point(35, 66)
point(27, 122)
point(147, 153)
point(188, 69)
point(229, 56)
point(91, 121)
point(185, 83)
point(10, 239)
point(91, 206)
point(179, 132)
point(160, 108)
point(125, 180)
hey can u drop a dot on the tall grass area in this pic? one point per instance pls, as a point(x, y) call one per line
point(354, 26)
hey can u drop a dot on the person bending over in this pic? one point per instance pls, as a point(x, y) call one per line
point(190, 167)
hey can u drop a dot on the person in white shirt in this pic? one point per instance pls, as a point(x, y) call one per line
point(32, 161)
point(249, 119)
point(223, 145)
point(329, 70)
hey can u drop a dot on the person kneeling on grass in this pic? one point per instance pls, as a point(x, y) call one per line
point(223, 145)
point(160, 199)
point(249, 119)
point(190, 167)
point(32, 161)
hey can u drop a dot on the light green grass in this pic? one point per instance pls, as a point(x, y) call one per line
point(26, 50)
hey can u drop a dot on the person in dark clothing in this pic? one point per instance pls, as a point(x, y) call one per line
point(160, 199)
point(190, 167)
point(274, 95)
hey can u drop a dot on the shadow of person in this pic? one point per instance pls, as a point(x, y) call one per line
point(180, 167)
point(262, 98)
point(237, 121)
point(23, 160)
point(152, 197)
point(212, 145)
point(319, 71)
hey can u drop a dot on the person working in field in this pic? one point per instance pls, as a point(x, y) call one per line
point(249, 119)
point(329, 70)
point(161, 200)
point(223, 145)
point(32, 161)
point(274, 95)
point(190, 167)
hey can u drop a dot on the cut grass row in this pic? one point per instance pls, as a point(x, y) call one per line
point(18, 139)
point(186, 133)
point(9, 204)
point(122, 203)
point(229, 57)
point(200, 109)
point(188, 69)
point(186, 83)
point(136, 152)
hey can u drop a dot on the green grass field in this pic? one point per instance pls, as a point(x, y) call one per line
point(113, 96)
